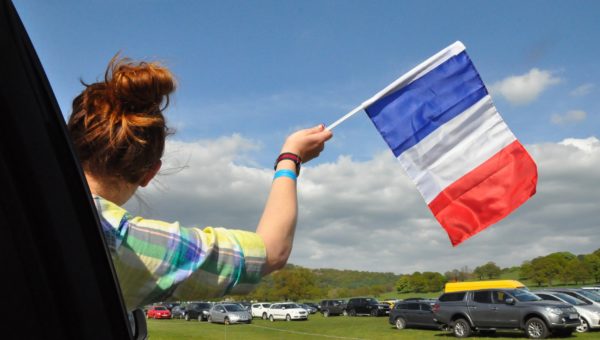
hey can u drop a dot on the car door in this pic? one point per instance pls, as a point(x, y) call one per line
point(276, 311)
point(507, 315)
point(219, 314)
point(481, 309)
point(425, 315)
point(52, 244)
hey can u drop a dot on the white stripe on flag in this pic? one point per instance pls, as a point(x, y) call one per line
point(456, 148)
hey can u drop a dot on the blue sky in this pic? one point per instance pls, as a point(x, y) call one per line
point(265, 68)
point(251, 72)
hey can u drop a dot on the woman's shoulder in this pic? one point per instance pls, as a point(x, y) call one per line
point(109, 210)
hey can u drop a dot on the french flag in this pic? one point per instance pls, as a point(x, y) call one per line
point(441, 124)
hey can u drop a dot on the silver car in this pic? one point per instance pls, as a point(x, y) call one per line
point(228, 313)
point(589, 312)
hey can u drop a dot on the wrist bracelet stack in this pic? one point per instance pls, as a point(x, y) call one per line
point(292, 157)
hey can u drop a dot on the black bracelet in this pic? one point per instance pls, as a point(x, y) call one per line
point(292, 157)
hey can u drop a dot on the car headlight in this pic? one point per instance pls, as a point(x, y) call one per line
point(554, 310)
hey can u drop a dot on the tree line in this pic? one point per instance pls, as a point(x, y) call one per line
point(299, 284)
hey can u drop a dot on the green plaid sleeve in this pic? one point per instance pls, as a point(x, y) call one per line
point(156, 260)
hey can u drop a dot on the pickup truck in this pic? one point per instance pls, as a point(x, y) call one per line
point(486, 310)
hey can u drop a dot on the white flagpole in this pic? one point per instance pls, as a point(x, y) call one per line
point(346, 116)
point(407, 78)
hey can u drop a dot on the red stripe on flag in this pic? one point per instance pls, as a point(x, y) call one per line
point(486, 194)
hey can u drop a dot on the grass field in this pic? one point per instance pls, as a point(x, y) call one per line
point(317, 327)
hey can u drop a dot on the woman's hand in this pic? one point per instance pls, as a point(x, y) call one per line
point(307, 143)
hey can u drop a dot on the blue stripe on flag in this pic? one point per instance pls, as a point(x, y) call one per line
point(409, 114)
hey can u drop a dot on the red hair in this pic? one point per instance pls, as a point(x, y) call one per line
point(117, 125)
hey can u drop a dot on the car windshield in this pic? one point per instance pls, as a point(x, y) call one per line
point(159, 308)
point(234, 308)
point(372, 301)
point(571, 300)
point(524, 295)
point(590, 295)
point(291, 305)
point(266, 305)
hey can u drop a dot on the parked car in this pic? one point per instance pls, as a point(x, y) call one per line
point(595, 289)
point(490, 309)
point(315, 305)
point(229, 313)
point(390, 302)
point(246, 305)
point(413, 314)
point(590, 314)
point(287, 311)
point(366, 306)
point(197, 311)
point(332, 307)
point(158, 312)
point(171, 305)
point(178, 312)
point(582, 294)
point(259, 310)
point(309, 309)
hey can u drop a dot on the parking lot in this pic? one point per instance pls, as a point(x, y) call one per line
point(317, 327)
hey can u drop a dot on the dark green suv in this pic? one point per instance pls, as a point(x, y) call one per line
point(332, 307)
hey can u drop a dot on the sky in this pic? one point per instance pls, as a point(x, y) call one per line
point(251, 72)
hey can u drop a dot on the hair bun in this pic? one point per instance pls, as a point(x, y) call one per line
point(139, 87)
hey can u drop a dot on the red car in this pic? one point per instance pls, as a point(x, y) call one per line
point(158, 312)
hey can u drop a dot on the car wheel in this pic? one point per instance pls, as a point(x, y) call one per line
point(271, 318)
point(264, 316)
point(326, 313)
point(352, 312)
point(226, 321)
point(584, 327)
point(536, 328)
point(288, 318)
point(373, 312)
point(345, 312)
point(400, 323)
point(462, 328)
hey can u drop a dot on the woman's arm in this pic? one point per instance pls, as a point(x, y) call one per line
point(278, 222)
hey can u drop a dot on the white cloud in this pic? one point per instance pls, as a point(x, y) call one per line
point(573, 116)
point(582, 90)
point(525, 88)
point(369, 216)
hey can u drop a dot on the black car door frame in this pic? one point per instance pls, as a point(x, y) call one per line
point(60, 283)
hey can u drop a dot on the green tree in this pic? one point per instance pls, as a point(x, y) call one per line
point(546, 269)
point(593, 264)
point(403, 284)
point(576, 270)
point(489, 270)
point(293, 284)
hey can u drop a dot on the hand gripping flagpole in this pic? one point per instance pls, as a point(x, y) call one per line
point(405, 79)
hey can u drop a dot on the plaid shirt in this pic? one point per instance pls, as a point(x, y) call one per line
point(156, 260)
